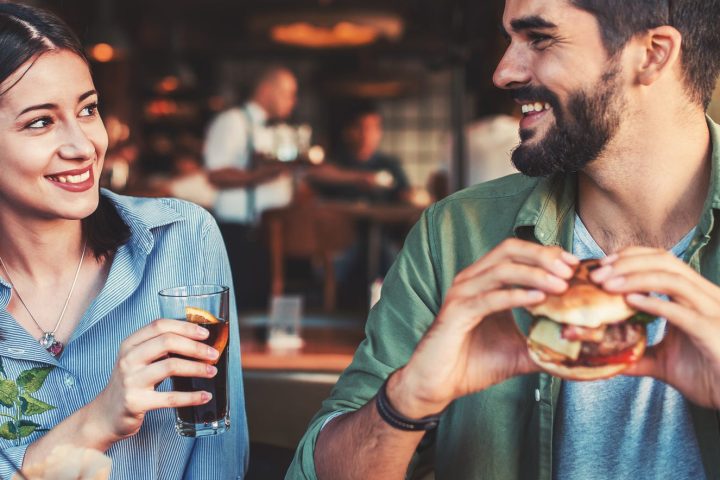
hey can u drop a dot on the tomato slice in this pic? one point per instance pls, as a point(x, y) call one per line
point(625, 356)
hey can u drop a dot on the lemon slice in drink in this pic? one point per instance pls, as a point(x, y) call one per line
point(198, 315)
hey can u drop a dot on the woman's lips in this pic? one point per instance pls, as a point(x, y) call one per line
point(74, 180)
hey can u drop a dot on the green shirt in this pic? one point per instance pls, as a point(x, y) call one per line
point(505, 431)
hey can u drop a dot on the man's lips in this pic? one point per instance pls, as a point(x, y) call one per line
point(531, 120)
point(76, 180)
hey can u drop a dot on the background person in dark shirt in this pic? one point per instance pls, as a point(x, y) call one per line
point(358, 171)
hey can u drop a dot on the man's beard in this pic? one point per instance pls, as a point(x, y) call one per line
point(578, 135)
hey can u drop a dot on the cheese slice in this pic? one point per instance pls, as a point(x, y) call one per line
point(549, 334)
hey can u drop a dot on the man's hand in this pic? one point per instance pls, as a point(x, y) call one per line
point(688, 358)
point(474, 342)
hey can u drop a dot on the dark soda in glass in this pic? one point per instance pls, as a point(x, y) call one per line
point(216, 409)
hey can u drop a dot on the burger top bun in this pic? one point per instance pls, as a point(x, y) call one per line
point(584, 303)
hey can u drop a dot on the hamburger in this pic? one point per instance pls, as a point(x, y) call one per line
point(586, 333)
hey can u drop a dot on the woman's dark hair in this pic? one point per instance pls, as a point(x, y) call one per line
point(696, 20)
point(26, 33)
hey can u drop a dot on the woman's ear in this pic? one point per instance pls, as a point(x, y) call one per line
point(660, 49)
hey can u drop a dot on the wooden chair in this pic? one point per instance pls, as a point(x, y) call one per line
point(305, 230)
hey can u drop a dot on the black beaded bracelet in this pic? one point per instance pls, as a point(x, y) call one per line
point(397, 420)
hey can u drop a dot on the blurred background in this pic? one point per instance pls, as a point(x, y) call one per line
point(408, 78)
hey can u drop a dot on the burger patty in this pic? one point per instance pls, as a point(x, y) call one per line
point(616, 338)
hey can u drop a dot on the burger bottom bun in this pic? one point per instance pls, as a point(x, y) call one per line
point(581, 372)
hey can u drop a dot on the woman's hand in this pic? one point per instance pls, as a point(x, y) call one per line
point(143, 362)
point(688, 358)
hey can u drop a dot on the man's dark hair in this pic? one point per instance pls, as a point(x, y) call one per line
point(26, 33)
point(355, 109)
point(696, 20)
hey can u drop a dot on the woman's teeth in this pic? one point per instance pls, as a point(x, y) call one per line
point(535, 107)
point(71, 178)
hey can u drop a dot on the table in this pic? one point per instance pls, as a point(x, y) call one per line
point(284, 389)
point(328, 348)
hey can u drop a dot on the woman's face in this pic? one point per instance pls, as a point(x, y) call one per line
point(52, 139)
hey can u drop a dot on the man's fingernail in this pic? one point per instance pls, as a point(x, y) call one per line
point(561, 268)
point(609, 259)
point(212, 353)
point(206, 396)
point(636, 297)
point(555, 281)
point(601, 273)
point(535, 295)
point(211, 370)
point(616, 282)
point(202, 332)
point(569, 258)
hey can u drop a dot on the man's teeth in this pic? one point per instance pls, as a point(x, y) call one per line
point(535, 107)
point(71, 178)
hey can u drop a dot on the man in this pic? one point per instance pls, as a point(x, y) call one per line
point(624, 156)
point(361, 171)
point(246, 189)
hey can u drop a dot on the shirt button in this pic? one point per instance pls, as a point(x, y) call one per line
point(537, 394)
point(69, 380)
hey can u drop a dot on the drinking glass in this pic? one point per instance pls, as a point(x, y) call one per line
point(207, 306)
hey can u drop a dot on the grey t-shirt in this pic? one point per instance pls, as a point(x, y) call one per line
point(624, 427)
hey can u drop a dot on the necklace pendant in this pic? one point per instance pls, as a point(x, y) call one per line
point(48, 342)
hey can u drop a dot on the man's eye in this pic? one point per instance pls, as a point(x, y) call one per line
point(39, 123)
point(540, 42)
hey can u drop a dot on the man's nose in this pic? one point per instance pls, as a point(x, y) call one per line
point(513, 71)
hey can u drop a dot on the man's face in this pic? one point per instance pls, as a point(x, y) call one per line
point(571, 93)
point(363, 136)
point(284, 96)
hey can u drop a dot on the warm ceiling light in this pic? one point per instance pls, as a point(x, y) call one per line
point(102, 52)
point(168, 84)
point(336, 29)
point(344, 34)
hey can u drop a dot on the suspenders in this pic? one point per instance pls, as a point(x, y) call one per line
point(250, 152)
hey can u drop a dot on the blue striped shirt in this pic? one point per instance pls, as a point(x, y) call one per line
point(172, 243)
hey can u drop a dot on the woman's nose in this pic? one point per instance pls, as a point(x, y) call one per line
point(76, 144)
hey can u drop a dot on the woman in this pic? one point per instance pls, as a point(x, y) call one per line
point(81, 352)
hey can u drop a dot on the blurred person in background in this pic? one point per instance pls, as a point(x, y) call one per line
point(358, 170)
point(245, 186)
point(84, 357)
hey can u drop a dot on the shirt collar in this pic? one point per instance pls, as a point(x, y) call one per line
point(258, 115)
point(547, 215)
point(141, 216)
point(712, 203)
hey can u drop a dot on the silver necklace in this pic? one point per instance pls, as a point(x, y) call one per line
point(47, 339)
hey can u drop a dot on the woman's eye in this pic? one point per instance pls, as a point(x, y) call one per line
point(89, 110)
point(39, 123)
